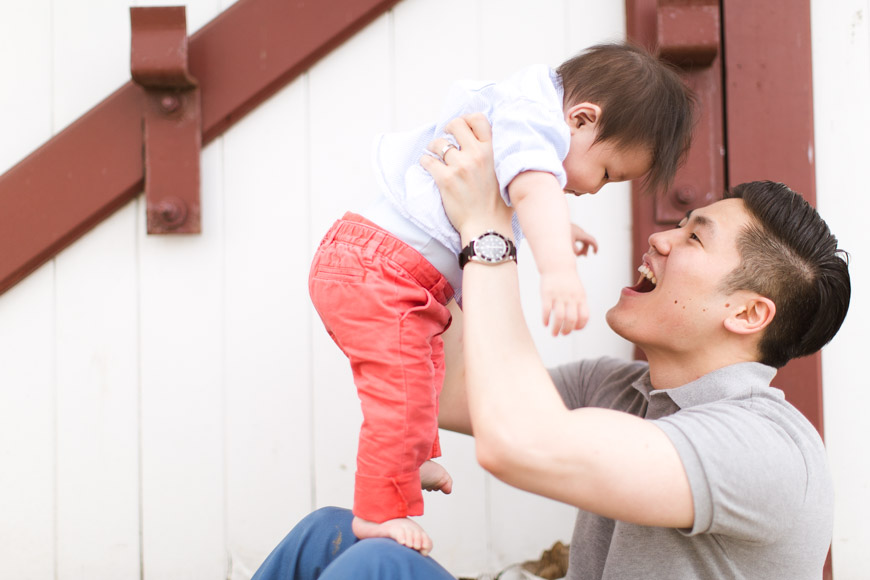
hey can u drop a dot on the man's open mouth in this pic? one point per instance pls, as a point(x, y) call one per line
point(647, 281)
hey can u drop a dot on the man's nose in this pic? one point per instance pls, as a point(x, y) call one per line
point(660, 242)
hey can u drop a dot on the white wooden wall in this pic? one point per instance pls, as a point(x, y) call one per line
point(170, 406)
point(841, 85)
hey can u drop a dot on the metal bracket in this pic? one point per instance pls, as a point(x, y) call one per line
point(171, 119)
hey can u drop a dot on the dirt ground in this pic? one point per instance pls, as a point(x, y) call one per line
point(552, 565)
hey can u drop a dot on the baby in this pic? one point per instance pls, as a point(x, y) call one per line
point(381, 280)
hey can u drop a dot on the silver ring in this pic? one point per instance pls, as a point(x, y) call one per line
point(447, 148)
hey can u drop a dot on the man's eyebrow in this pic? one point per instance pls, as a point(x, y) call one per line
point(701, 221)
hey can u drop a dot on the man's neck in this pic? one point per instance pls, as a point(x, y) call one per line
point(670, 370)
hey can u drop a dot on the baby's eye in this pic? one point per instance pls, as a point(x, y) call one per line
point(606, 175)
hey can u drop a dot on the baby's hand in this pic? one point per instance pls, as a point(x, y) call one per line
point(581, 241)
point(563, 297)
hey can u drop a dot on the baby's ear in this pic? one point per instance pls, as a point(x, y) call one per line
point(584, 113)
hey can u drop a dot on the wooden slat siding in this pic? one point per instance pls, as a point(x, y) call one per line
point(841, 83)
point(97, 413)
point(770, 134)
point(769, 112)
point(28, 444)
point(267, 327)
point(92, 168)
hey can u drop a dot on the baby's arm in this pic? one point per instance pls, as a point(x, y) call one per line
point(543, 213)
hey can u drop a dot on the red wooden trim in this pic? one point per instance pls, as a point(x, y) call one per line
point(769, 111)
point(94, 166)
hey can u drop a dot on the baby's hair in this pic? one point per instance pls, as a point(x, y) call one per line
point(643, 101)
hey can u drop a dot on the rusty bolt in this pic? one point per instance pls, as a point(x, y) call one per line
point(685, 195)
point(170, 103)
point(172, 211)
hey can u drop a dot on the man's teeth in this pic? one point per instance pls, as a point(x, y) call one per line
point(643, 269)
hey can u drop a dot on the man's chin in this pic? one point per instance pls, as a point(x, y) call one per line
point(624, 323)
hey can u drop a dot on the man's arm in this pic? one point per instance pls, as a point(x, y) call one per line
point(603, 461)
point(453, 401)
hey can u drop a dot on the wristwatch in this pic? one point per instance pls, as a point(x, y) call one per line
point(488, 248)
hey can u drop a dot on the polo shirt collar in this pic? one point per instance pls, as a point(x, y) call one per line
point(733, 381)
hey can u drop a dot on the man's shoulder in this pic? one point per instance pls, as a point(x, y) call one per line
point(601, 382)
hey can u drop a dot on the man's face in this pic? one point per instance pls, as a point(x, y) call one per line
point(678, 305)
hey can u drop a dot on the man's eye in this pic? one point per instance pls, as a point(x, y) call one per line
point(694, 237)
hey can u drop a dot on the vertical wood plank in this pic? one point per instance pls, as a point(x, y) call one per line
point(349, 105)
point(27, 428)
point(841, 81)
point(426, 62)
point(97, 403)
point(91, 41)
point(27, 362)
point(268, 354)
point(182, 401)
point(25, 87)
point(527, 33)
point(97, 335)
point(543, 32)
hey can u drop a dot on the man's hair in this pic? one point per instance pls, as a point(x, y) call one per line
point(789, 255)
point(643, 101)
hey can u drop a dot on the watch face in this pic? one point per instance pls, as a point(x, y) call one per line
point(491, 247)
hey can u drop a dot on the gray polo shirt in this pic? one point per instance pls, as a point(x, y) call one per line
point(757, 469)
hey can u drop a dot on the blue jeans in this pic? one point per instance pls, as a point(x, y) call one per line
point(322, 546)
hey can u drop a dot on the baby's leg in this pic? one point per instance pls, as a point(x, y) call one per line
point(433, 477)
point(405, 531)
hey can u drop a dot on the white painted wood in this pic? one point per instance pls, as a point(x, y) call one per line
point(526, 33)
point(841, 83)
point(433, 47)
point(347, 107)
point(184, 386)
point(27, 325)
point(90, 54)
point(183, 392)
point(27, 428)
point(589, 22)
point(25, 86)
point(268, 352)
point(430, 53)
point(98, 403)
point(514, 38)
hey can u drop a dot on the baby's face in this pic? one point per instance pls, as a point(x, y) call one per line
point(590, 166)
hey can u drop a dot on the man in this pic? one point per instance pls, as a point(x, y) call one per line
point(690, 466)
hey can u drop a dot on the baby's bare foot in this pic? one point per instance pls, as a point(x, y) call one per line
point(406, 532)
point(433, 477)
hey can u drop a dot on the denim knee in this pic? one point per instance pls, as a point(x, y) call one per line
point(310, 547)
point(384, 559)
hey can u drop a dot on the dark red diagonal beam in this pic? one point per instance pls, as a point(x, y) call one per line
point(94, 166)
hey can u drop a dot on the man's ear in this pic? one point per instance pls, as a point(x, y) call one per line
point(581, 114)
point(751, 315)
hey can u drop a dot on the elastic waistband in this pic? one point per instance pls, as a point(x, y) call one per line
point(356, 230)
point(387, 216)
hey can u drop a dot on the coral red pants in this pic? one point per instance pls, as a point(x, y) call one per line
point(384, 305)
